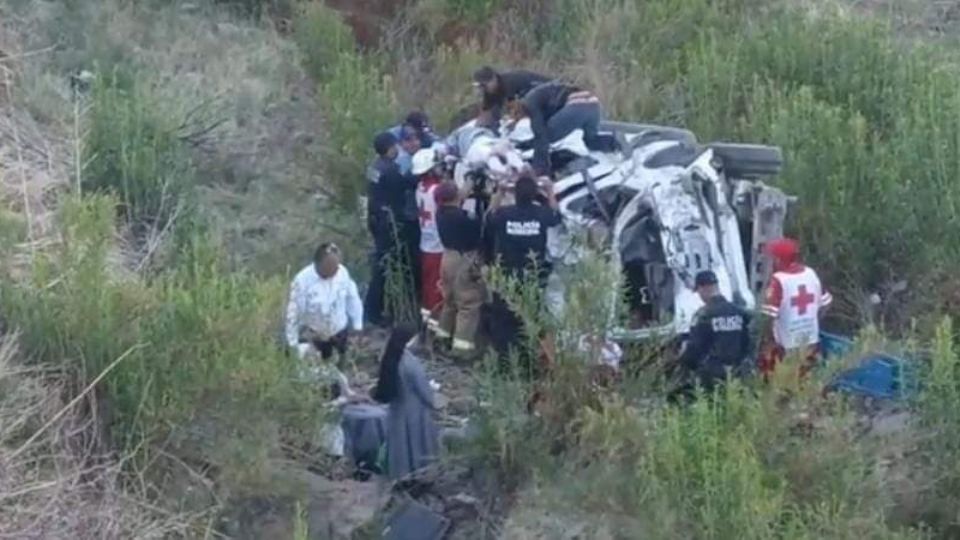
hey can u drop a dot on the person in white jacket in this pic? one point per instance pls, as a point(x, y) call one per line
point(324, 306)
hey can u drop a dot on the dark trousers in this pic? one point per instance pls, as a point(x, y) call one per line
point(508, 337)
point(373, 302)
point(584, 116)
point(337, 343)
point(710, 376)
point(390, 244)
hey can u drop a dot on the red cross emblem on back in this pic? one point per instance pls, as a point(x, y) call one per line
point(802, 300)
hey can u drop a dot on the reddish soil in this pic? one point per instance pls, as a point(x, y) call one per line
point(367, 18)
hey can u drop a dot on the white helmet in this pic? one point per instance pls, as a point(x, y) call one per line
point(424, 160)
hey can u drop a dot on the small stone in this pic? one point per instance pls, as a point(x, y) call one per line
point(465, 500)
point(890, 424)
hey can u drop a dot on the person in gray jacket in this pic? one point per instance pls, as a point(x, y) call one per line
point(413, 440)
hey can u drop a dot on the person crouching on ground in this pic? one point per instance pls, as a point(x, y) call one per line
point(413, 440)
point(324, 306)
point(719, 339)
point(460, 275)
point(428, 170)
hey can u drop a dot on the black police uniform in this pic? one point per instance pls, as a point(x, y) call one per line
point(516, 238)
point(389, 195)
point(719, 339)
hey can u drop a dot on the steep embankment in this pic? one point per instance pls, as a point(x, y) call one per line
point(202, 128)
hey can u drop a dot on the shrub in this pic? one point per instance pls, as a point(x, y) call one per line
point(751, 461)
point(355, 91)
point(477, 11)
point(941, 448)
point(59, 481)
point(198, 343)
point(133, 152)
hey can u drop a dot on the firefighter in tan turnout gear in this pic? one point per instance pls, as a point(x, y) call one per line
point(460, 271)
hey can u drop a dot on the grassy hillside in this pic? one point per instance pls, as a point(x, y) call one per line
point(156, 208)
point(866, 116)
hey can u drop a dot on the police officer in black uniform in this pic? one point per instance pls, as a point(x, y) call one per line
point(516, 239)
point(391, 220)
point(719, 337)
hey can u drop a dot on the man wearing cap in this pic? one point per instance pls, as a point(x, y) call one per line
point(792, 305)
point(498, 88)
point(391, 216)
point(419, 122)
point(719, 336)
point(428, 170)
point(413, 134)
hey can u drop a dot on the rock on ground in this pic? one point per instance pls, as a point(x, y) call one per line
point(466, 496)
point(331, 510)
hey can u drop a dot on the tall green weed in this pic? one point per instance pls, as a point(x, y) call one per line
point(133, 152)
point(941, 446)
point(355, 90)
point(751, 461)
point(199, 341)
point(867, 122)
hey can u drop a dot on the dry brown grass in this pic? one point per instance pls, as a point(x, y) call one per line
point(248, 112)
point(33, 157)
point(56, 478)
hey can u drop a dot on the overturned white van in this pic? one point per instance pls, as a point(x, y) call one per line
point(666, 207)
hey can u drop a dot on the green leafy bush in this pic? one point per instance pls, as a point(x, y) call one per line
point(478, 11)
point(133, 152)
point(356, 94)
point(867, 122)
point(197, 342)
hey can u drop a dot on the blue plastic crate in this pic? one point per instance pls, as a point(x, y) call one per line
point(877, 375)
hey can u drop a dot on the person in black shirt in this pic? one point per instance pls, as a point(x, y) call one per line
point(460, 277)
point(501, 88)
point(517, 233)
point(394, 230)
point(517, 237)
point(719, 337)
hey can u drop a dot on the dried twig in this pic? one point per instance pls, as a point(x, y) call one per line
point(76, 399)
point(20, 161)
point(10, 58)
point(155, 239)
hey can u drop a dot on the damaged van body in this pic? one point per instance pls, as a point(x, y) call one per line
point(668, 207)
point(664, 208)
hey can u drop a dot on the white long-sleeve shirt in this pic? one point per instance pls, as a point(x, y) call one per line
point(323, 306)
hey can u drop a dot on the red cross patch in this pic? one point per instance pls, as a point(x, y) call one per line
point(802, 300)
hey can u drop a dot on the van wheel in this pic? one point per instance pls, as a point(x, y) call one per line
point(748, 161)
